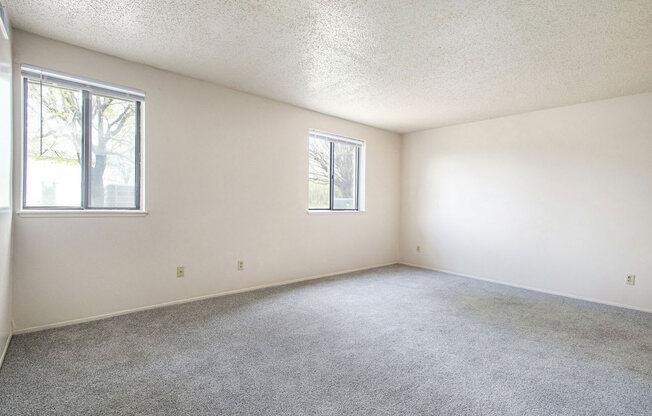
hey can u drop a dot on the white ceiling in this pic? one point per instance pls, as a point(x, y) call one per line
point(398, 65)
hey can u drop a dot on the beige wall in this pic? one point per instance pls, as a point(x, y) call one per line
point(225, 179)
point(558, 200)
point(5, 193)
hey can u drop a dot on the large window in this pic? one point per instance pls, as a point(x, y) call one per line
point(333, 172)
point(82, 142)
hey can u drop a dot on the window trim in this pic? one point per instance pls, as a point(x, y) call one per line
point(87, 87)
point(62, 213)
point(332, 139)
point(73, 81)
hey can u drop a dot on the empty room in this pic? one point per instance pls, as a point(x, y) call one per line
point(301, 207)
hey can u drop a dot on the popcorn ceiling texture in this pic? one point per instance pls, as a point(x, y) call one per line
point(395, 65)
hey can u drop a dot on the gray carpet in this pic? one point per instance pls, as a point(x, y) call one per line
point(389, 341)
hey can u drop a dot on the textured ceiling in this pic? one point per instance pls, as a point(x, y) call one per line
point(398, 65)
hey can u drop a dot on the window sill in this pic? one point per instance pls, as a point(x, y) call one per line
point(68, 213)
point(336, 212)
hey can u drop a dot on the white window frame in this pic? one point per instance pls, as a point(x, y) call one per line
point(30, 73)
point(359, 172)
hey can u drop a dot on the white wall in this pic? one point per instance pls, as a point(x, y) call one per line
point(226, 179)
point(5, 193)
point(558, 200)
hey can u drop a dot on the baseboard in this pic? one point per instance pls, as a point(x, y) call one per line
point(187, 300)
point(535, 289)
point(4, 349)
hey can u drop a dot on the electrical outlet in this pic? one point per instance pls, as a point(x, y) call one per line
point(418, 249)
point(240, 265)
point(631, 279)
point(181, 271)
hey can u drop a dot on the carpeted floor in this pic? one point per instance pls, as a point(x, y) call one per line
point(389, 341)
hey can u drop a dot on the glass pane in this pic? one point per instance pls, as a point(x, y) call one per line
point(113, 154)
point(52, 162)
point(344, 168)
point(319, 167)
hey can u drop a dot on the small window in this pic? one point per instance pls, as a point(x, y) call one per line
point(82, 142)
point(333, 172)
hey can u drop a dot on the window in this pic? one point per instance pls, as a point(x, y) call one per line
point(81, 143)
point(333, 172)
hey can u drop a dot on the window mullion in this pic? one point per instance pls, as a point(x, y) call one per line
point(357, 178)
point(137, 162)
point(86, 148)
point(332, 177)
